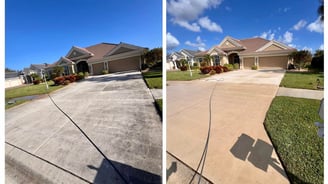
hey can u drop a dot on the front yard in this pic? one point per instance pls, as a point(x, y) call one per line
point(184, 75)
point(290, 125)
point(302, 80)
point(29, 90)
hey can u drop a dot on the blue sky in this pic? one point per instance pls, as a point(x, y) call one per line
point(201, 24)
point(39, 31)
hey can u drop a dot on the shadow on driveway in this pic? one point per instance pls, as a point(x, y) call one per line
point(115, 78)
point(106, 174)
point(259, 154)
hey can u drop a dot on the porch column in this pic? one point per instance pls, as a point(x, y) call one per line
point(241, 63)
point(91, 69)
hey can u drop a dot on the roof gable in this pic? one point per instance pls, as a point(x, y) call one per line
point(63, 61)
point(273, 46)
point(122, 48)
point(78, 52)
point(229, 42)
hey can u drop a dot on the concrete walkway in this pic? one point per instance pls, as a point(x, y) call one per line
point(300, 93)
point(157, 93)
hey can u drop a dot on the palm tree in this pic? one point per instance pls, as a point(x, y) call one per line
point(207, 59)
point(321, 10)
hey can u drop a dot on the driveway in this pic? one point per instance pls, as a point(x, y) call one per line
point(116, 111)
point(239, 149)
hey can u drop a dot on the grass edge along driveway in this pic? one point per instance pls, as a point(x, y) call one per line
point(184, 75)
point(302, 80)
point(290, 125)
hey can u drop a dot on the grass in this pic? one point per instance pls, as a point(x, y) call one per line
point(27, 91)
point(290, 125)
point(153, 79)
point(302, 80)
point(184, 75)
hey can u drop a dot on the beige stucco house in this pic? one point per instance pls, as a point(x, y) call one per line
point(103, 56)
point(248, 52)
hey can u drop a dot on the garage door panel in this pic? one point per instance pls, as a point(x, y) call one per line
point(248, 62)
point(126, 64)
point(273, 62)
point(98, 68)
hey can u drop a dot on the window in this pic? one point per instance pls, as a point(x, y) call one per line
point(216, 60)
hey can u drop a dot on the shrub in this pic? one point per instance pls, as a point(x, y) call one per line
point(36, 81)
point(205, 69)
point(195, 67)
point(195, 64)
point(144, 66)
point(212, 72)
point(86, 74)
point(183, 68)
point(66, 82)
point(104, 72)
point(203, 63)
point(59, 80)
point(254, 67)
point(218, 69)
point(80, 75)
point(229, 66)
point(225, 69)
point(236, 66)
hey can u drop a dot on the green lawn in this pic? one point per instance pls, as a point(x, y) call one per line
point(303, 80)
point(153, 79)
point(184, 75)
point(27, 91)
point(290, 124)
point(160, 104)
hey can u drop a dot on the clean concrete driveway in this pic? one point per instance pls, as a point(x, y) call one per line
point(239, 149)
point(116, 111)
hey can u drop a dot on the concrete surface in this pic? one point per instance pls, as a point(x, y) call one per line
point(239, 149)
point(301, 93)
point(157, 93)
point(117, 113)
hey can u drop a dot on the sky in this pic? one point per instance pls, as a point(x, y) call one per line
point(202, 24)
point(41, 31)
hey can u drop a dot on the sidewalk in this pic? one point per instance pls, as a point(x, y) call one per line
point(300, 93)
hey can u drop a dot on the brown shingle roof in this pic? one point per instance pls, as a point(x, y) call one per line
point(252, 44)
point(100, 50)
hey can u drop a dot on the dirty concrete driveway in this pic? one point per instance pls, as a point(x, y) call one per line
point(239, 149)
point(116, 111)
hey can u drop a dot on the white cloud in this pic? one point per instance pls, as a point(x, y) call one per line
point(287, 38)
point(206, 23)
point(316, 26)
point(171, 41)
point(228, 8)
point(307, 48)
point(185, 11)
point(268, 35)
point(321, 47)
point(192, 27)
point(199, 44)
point(300, 24)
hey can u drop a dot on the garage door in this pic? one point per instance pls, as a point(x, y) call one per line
point(126, 64)
point(98, 68)
point(273, 62)
point(248, 62)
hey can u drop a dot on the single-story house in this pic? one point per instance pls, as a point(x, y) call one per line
point(13, 79)
point(103, 56)
point(38, 69)
point(249, 52)
point(188, 55)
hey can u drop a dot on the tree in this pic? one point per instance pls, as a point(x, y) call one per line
point(153, 56)
point(207, 59)
point(58, 71)
point(321, 10)
point(317, 62)
point(300, 58)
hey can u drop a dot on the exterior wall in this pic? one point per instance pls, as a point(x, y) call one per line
point(273, 62)
point(224, 60)
point(97, 68)
point(131, 63)
point(12, 82)
point(248, 62)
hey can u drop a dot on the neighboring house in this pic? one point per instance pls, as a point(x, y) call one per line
point(249, 52)
point(103, 56)
point(188, 55)
point(13, 79)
